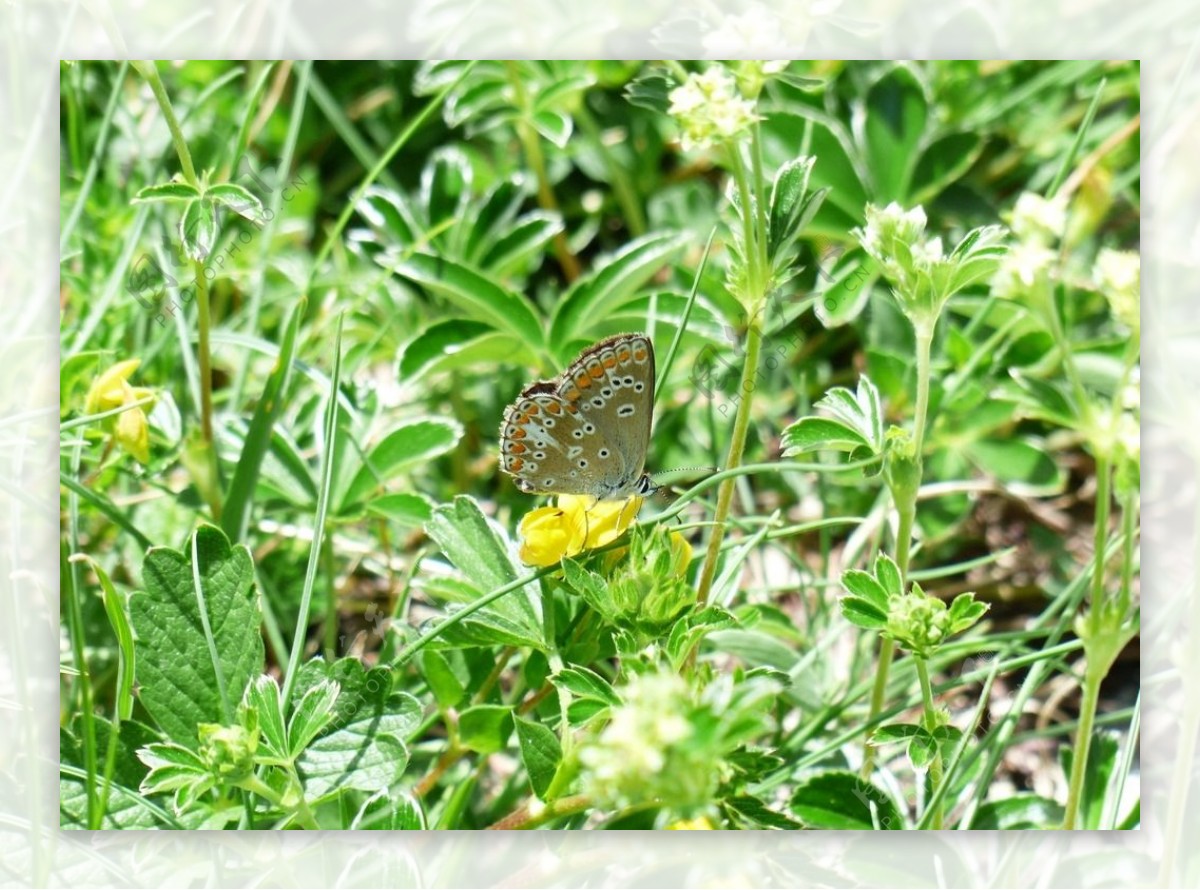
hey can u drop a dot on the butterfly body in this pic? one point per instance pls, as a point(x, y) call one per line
point(586, 432)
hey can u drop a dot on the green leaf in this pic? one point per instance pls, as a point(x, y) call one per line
point(787, 201)
point(895, 732)
point(841, 800)
point(166, 191)
point(198, 633)
point(263, 696)
point(412, 443)
point(1020, 811)
point(922, 749)
point(865, 586)
point(964, 612)
point(239, 499)
point(943, 162)
point(610, 284)
point(126, 806)
point(1102, 761)
point(896, 114)
point(409, 510)
point(237, 198)
point(475, 294)
point(1014, 461)
point(311, 715)
point(198, 229)
point(367, 752)
point(541, 753)
point(116, 607)
point(478, 550)
point(863, 613)
point(651, 90)
point(485, 728)
point(583, 682)
point(443, 682)
point(759, 814)
point(815, 433)
point(434, 343)
point(554, 126)
point(172, 767)
point(389, 810)
point(519, 244)
point(888, 574)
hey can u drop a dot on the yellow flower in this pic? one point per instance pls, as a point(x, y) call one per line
point(703, 823)
point(681, 553)
point(110, 390)
point(575, 524)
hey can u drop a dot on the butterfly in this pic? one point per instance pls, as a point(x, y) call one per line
point(587, 431)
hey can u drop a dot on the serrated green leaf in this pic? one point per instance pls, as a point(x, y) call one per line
point(888, 574)
point(540, 752)
point(922, 749)
point(891, 733)
point(758, 813)
point(863, 613)
point(198, 633)
point(651, 90)
point(389, 810)
point(166, 191)
point(841, 800)
point(583, 682)
point(237, 198)
point(478, 550)
point(198, 229)
point(1020, 811)
point(366, 753)
point(813, 433)
point(263, 696)
point(311, 715)
point(865, 586)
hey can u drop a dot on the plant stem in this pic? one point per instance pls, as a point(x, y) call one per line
point(737, 447)
point(1098, 637)
point(149, 70)
point(907, 514)
point(530, 815)
point(1083, 742)
point(533, 153)
point(931, 723)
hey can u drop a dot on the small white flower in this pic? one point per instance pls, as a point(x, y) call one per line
point(708, 106)
point(1022, 265)
point(1035, 218)
point(1118, 275)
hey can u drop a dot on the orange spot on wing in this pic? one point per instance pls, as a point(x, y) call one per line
point(518, 433)
point(553, 407)
point(533, 410)
point(610, 361)
point(572, 395)
point(596, 370)
point(583, 381)
point(515, 464)
point(516, 448)
point(639, 355)
point(623, 355)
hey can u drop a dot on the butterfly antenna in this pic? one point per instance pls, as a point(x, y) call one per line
point(668, 489)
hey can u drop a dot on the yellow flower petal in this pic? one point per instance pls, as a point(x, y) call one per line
point(600, 522)
point(547, 535)
point(703, 823)
point(108, 389)
point(133, 434)
point(681, 552)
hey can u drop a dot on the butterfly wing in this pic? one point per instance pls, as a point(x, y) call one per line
point(544, 443)
point(612, 384)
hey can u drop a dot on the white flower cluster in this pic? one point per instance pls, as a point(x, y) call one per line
point(1118, 275)
point(637, 755)
point(1039, 224)
point(709, 108)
